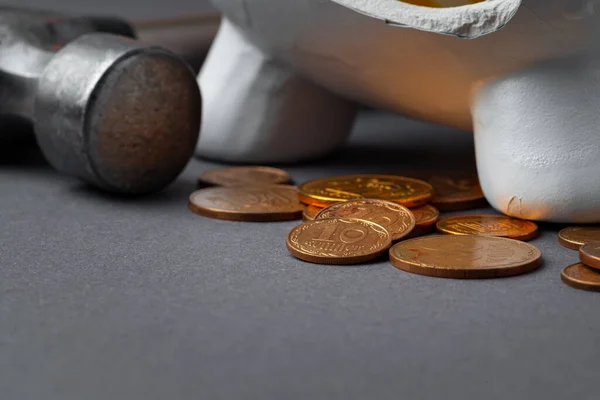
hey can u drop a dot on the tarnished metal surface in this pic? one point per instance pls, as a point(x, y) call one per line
point(117, 113)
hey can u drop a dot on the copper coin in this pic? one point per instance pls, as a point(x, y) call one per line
point(238, 176)
point(581, 277)
point(338, 241)
point(408, 192)
point(310, 212)
point(425, 217)
point(397, 219)
point(589, 254)
point(248, 203)
point(574, 237)
point(489, 225)
point(454, 193)
point(473, 256)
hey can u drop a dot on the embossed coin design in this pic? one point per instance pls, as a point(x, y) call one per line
point(397, 219)
point(248, 203)
point(425, 219)
point(310, 212)
point(468, 257)
point(237, 176)
point(589, 254)
point(581, 277)
point(456, 193)
point(398, 189)
point(338, 241)
point(574, 237)
point(490, 225)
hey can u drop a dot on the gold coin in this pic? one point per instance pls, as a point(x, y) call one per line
point(489, 225)
point(453, 193)
point(589, 254)
point(465, 256)
point(238, 176)
point(398, 189)
point(338, 241)
point(397, 219)
point(248, 203)
point(581, 277)
point(425, 218)
point(574, 237)
point(310, 212)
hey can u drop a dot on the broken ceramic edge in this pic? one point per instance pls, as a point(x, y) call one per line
point(468, 21)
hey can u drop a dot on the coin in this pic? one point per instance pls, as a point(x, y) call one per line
point(465, 256)
point(574, 237)
point(248, 203)
point(581, 277)
point(490, 225)
point(310, 212)
point(338, 241)
point(589, 254)
point(453, 193)
point(398, 189)
point(237, 176)
point(397, 219)
point(425, 218)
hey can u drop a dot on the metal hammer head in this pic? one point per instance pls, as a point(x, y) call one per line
point(117, 113)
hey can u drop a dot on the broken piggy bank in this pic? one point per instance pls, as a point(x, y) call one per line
point(283, 77)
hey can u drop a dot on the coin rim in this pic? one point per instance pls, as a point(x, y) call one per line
point(457, 273)
point(336, 260)
point(524, 237)
point(325, 201)
point(569, 244)
point(243, 217)
point(577, 283)
point(305, 216)
point(367, 199)
point(427, 224)
point(203, 183)
point(588, 259)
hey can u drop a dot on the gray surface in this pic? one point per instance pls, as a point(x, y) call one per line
point(107, 298)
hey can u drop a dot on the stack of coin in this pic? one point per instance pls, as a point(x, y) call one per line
point(351, 232)
point(584, 275)
point(356, 218)
point(251, 194)
point(407, 192)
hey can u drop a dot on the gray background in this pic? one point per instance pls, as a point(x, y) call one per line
point(111, 298)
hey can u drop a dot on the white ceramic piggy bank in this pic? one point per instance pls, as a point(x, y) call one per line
point(283, 77)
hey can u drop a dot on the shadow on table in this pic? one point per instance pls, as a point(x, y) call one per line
point(388, 143)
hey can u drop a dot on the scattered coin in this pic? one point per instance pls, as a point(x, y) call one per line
point(248, 203)
point(456, 193)
point(468, 257)
point(398, 220)
point(574, 237)
point(425, 219)
point(490, 225)
point(237, 176)
point(404, 191)
point(338, 241)
point(310, 212)
point(589, 254)
point(581, 277)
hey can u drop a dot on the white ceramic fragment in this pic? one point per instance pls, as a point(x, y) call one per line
point(537, 139)
point(250, 100)
point(283, 75)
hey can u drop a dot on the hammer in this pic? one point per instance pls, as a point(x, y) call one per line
point(117, 113)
